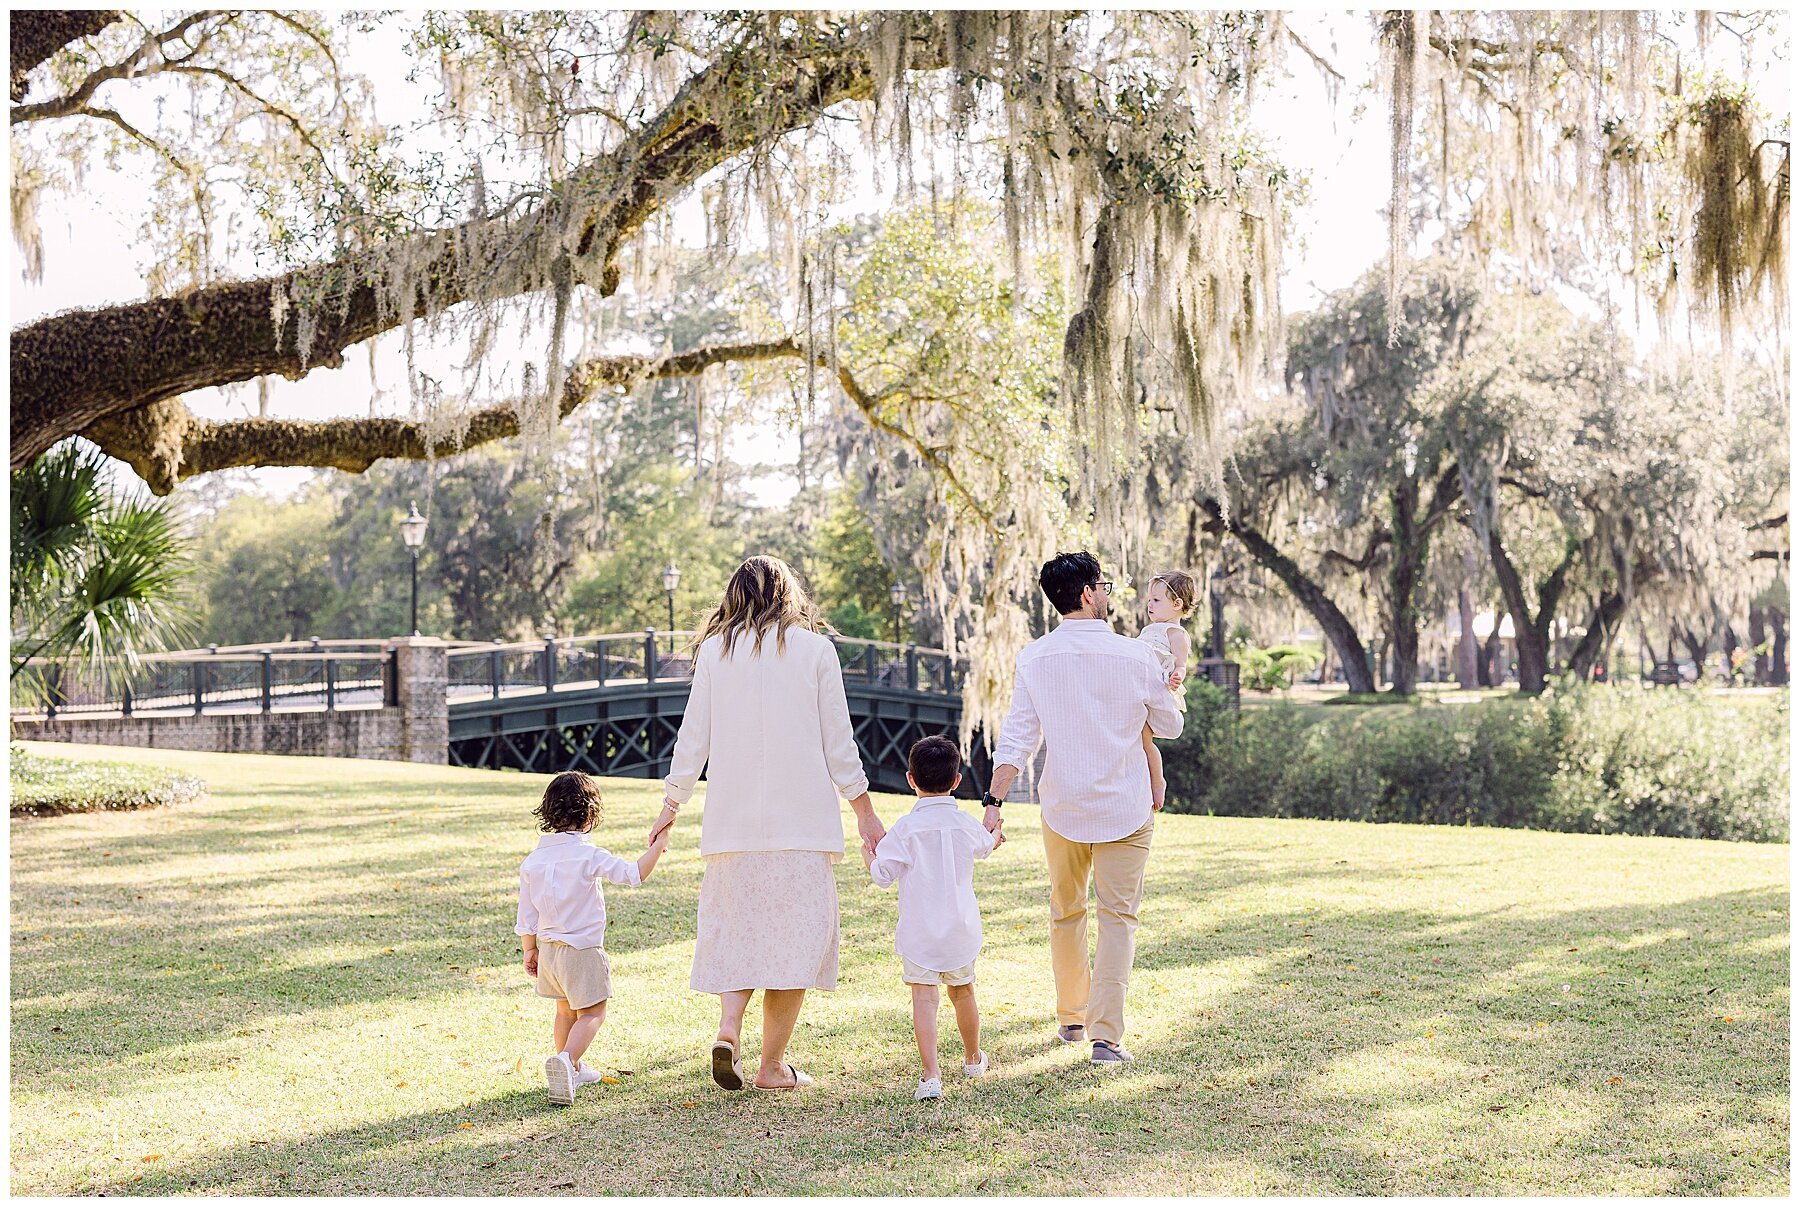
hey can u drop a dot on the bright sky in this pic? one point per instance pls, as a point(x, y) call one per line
point(91, 257)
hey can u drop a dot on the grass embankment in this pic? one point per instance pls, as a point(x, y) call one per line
point(307, 983)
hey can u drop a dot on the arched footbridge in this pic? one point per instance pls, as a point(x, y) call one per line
point(608, 704)
point(612, 705)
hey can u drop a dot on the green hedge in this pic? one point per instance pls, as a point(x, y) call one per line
point(44, 787)
point(1601, 760)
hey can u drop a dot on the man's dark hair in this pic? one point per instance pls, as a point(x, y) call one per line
point(1065, 576)
point(934, 762)
point(571, 802)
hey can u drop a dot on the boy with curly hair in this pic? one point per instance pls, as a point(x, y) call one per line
point(562, 922)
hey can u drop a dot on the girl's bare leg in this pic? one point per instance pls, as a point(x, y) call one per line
point(968, 1021)
point(1157, 787)
point(925, 1027)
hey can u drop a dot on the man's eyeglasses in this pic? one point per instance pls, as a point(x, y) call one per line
point(1104, 586)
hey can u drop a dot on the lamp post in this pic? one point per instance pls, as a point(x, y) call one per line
point(897, 597)
point(412, 532)
point(671, 578)
point(1217, 643)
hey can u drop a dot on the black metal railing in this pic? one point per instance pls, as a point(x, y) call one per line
point(292, 677)
point(496, 669)
point(329, 676)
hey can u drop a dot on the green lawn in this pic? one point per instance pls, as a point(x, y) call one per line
point(308, 983)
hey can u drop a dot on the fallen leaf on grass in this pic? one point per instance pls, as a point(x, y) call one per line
point(690, 1103)
point(1728, 1018)
point(151, 1157)
point(611, 1081)
point(398, 1084)
point(519, 1065)
point(1615, 1081)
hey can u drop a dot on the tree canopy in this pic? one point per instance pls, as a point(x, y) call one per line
point(1138, 217)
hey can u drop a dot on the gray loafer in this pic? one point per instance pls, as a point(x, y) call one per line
point(1108, 1054)
point(1072, 1035)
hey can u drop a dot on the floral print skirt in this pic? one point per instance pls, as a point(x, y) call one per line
point(767, 920)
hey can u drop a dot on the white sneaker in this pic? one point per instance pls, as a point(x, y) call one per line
point(929, 1087)
point(559, 1077)
point(978, 1068)
point(586, 1074)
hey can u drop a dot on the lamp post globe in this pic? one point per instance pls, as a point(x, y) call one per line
point(897, 597)
point(412, 534)
point(671, 578)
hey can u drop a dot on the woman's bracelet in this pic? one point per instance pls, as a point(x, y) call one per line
point(671, 806)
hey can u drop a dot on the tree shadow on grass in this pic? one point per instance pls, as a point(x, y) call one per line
point(1343, 1048)
point(1449, 1083)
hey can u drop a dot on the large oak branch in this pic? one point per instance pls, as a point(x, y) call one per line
point(165, 442)
point(36, 34)
point(71, 371)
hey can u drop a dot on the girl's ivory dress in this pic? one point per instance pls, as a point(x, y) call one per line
point(1156, 636)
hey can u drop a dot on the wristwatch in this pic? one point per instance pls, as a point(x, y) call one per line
point(990, 801)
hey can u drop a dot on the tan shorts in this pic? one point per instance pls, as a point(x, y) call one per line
point(913, 974)
point(580, 976)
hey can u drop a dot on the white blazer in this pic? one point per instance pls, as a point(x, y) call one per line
point(772, 731)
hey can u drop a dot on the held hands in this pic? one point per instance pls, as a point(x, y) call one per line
point(664, 823)
point(869, 827)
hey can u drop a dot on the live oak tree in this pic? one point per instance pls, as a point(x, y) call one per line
point(1117, 143)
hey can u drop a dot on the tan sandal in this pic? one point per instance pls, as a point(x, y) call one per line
point(725, 1068)
point(800, 1079)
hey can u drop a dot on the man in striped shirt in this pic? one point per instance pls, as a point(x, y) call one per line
point(1086, 693)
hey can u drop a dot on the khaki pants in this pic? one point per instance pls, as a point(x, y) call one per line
point(1095, 999)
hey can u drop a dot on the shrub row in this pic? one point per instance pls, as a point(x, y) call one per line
point(1596, 759)
point(44, 787)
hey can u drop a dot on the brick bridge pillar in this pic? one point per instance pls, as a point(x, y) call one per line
point(422, 673)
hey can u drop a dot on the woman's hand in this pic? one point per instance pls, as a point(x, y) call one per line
point(868, 826)
point(664, 820)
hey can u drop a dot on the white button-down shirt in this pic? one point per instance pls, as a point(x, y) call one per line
point(559, 889)
point(1087, 693)
point(931, 854)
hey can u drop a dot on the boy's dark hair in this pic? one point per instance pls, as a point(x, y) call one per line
point(1065, 576)
point(934, 762)
point(571, 802)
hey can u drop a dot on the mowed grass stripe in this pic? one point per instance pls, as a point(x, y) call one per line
point(308, 983)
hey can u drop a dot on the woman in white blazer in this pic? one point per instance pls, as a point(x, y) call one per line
point(768, 722)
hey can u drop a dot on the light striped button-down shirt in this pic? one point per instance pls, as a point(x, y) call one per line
point(1086, 693)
